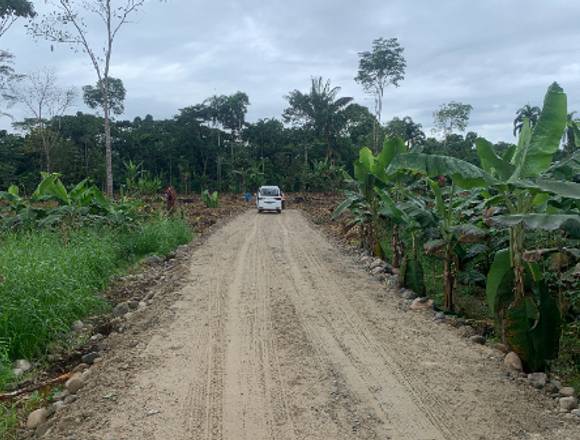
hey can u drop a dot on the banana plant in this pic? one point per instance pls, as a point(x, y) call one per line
point(210, 200)
point(362, 199)
point(411, 214)
point(521, 186)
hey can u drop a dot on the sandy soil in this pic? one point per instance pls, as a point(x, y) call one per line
point(274, 333)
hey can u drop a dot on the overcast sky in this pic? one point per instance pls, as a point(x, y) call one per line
point(496, 55)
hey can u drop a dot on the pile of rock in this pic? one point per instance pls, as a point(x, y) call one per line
point(39, 420)
point(565, 397)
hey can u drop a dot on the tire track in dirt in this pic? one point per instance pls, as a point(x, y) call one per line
point(277, 336)
point(360, 360)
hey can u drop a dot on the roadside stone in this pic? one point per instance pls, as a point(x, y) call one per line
point(69, 399)
point(568, 403)
point(466, 331)
point(153, 260)
point(513, 361)
point(171, 255)
point(43, 431)
point(501, 347)
point(133, 305)
point(537, 380)
point(58, 406)
point(421, 304)
point(575, 412)
point(550, 388)
point(61, 395)
point(439, 316)
point(377, 271)
point(37, 418)
point(567, 392)
point(121, 309)
point(23, 364)
point(78, 326)
point(408, 294)
point(377, 263)
point(74, 384)
point(89, 358)
point(477, 339)
point(365, 259)
point(97, 337)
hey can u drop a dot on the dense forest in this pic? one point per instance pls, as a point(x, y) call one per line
point(212, 145)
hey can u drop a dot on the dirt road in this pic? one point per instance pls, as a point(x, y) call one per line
point(277, 335)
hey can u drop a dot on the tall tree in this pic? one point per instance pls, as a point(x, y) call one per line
point(93, 96)
point(67, 23)
point(526, 112)
point(384, 65)
point(452, 116)
point(44, 100)
point(11, 10)
point(406, 129)
point(320, 110)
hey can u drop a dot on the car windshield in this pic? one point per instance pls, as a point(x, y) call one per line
point(269, 192)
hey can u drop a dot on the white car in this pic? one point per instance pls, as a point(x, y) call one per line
point(269, 198)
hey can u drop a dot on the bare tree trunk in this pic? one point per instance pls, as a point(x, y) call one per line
point(449, 280)
point(108, 152)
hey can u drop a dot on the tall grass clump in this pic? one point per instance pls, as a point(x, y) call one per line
point(50, 278)
point(159, 237)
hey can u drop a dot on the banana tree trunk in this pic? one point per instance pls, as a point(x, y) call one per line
point(396, 247)
point(516, 254)
point(448, 279)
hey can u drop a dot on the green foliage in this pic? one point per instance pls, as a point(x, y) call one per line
point(93, 96)
point(452, 116)
point(51, 279)
point(210, 200)
point(514, 192)
point(462, 173)
point(83, 204)
point(138, 182)
point(534, 152)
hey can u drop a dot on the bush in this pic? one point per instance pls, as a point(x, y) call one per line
point(50, 279)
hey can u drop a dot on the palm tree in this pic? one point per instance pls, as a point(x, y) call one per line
point(571, 137)
point(526, 112)
point(320, 111)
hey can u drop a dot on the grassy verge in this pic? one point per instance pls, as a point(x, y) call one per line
point(49, 279)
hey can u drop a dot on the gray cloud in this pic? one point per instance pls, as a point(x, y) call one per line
point(496, 55)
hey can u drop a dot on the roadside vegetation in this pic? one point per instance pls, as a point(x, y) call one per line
point(59, 250)
point(506, 231)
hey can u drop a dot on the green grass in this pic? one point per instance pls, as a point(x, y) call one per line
point(50, 279)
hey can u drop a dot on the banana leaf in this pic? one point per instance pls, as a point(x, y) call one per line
point(391, 148)
point(363, 165)
point(569, 190)
point(499, 288)
point(569, 223)
point(491, 162)
point(567, 169)
point(346, 204)
point(533, 157)
point(463, 174)
point(467, 233)
point(51, 188)
point(533, 323)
